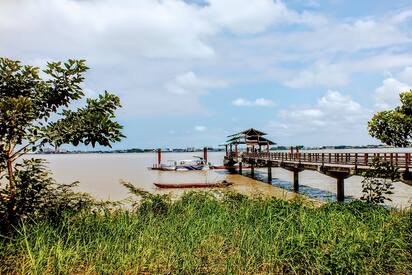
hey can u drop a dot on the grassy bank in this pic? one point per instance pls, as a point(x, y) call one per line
point(200, 234)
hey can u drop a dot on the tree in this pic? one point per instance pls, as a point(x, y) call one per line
point(378, 181)
point(394, 127)
point(35, 111)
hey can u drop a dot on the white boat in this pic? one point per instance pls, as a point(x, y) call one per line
point(169, 166)
point(192, 164)
point(196, 164)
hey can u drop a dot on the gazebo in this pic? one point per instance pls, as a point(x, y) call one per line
point(252, 138)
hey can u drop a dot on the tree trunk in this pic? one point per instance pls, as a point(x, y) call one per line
point(11, 204)
point(11, 177)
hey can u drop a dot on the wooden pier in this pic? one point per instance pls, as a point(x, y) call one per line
point(337, 165)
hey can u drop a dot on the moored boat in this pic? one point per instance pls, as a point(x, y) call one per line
point(192, 164)
point(197, 164)
point(193, 185)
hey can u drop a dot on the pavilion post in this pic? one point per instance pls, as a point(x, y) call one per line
point(297, 152)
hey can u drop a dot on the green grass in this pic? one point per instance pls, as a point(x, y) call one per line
point(201, 234)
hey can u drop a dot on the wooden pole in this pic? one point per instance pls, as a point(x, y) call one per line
point(159, 157)
point(296, 181)
point(269, 171)
point(297, 152)
point(205, 154)
point(340, 194)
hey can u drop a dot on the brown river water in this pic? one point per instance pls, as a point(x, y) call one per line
point(100, 174)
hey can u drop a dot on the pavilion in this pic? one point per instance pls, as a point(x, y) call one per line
point(252, 138)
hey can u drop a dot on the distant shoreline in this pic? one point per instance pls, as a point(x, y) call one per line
point(273, 149)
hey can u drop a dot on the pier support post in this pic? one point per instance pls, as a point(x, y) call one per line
point(240, 168)
point(252, 170)
point(269, 172)
point(340, 177)
point(296, 180)
point(340, 194)
point(296, 168)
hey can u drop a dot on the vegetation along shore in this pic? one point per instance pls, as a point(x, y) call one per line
point(200, 233)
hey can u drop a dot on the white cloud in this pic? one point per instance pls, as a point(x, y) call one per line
point(261, 102)
point(335, 102)
point(245, 16)
point(200, 128)
point(190, 83)
point(327, 35)
point(332, 75)
point(148, 51)
point(320, 75)
point(387, 95)
point(116, 29)
point(334, 114)
point(406, 75)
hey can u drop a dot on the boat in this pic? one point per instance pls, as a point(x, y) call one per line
point(193, 185)
point(169, 166)
point(197, 164)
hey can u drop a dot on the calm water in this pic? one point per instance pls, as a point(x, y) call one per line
point(100, 174)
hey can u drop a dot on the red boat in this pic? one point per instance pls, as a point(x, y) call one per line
point(192, 185)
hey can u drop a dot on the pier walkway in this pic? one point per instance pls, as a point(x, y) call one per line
point(337, 165)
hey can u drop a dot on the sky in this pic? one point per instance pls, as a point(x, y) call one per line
point(189, 73)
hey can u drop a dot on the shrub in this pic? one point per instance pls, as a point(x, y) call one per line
point(38, 196)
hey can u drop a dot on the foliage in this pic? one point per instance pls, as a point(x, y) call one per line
point(378, 181)
point(38, 196)
point(230, 235)
point(35, 111)
point(394, 127)
point(149, 203)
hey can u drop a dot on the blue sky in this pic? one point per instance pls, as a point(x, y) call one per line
point(191, 72)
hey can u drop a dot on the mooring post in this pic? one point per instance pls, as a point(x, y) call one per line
point(340, 193)
point(252, 170)
point(240, 168)
point(296, 181)
point(205, 154)
point(159, 157)
point(269, 171)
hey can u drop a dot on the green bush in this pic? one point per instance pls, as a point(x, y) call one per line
point(38, 196)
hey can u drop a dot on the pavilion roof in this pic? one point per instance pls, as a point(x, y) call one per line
point(249, 137)
point(249, 132)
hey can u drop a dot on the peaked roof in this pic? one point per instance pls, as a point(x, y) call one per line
point(249, 136)
point(250, 132)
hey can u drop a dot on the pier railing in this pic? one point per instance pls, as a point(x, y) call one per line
point(401, 160)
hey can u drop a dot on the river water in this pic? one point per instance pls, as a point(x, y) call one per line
point(100, 175)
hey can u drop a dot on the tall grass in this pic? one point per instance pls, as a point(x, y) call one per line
point(201, 234)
